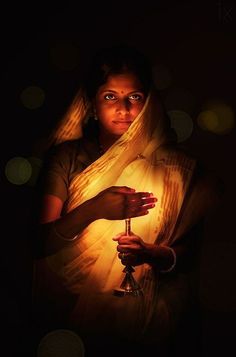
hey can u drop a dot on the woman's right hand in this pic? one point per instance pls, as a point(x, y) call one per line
point(120, 202)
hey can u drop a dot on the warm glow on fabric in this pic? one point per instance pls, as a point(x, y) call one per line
point(91, 268)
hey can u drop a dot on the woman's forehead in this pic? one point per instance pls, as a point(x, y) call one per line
point(124, 82)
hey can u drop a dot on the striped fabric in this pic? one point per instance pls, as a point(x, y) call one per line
point(91, 268)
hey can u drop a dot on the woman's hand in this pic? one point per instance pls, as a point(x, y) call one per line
point(132, 249)
point(120, 202)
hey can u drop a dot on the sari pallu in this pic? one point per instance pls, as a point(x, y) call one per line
point(90, 268)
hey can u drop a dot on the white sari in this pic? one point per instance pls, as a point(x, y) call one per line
point(91, 269)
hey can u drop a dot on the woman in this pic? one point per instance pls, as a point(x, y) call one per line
point(113, 156)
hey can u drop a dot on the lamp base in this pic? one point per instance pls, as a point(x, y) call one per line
point(122, 292)
point(129, 285)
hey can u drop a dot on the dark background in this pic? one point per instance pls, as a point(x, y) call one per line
point(196, 41)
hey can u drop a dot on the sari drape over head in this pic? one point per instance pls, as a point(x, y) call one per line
point(90, 269)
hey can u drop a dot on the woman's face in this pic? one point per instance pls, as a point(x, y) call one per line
point(118, 102)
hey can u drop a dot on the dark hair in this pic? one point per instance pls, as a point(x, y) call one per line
point(117, 60)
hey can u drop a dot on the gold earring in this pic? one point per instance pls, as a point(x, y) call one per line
point(95, 114)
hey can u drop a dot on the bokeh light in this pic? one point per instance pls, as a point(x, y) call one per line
point(18, 170)
point(207, 120)
point(216, 117)
point(36, 164)
point(65, 56)
point(161, 76)
point(61, 343)
point(32, 97)
point(182, 124)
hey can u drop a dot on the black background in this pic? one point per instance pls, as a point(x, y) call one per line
point(197, 42)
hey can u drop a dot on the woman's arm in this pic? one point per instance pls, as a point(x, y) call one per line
point(56, 232)
point(186, 250)
point(181, 256)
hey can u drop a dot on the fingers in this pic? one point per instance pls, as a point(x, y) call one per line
point(128, 244)
point(122, 189)
point(138, 204)
point(118, 236)
point(140, 198)
point(124, 237)
point(129, 248)
point(123, 256)
point(127, 258)
point(139, 195)
point(120, 202)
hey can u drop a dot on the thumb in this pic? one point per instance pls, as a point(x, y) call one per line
point(117, 237)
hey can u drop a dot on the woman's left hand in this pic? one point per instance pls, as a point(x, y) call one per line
point(132, 249)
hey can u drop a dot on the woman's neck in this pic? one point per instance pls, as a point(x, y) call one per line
point(106, 140)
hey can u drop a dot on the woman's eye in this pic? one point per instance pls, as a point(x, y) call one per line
point(109, 97)
point(135, 97)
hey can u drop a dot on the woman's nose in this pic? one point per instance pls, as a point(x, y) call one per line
point(123, 106)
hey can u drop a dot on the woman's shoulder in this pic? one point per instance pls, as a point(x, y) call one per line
point(63, 150)
point(71, 145)
point(72, 155)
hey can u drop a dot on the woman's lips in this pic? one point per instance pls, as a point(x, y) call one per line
point(124, 122)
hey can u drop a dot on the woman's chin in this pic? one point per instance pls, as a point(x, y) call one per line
point(121, 130)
